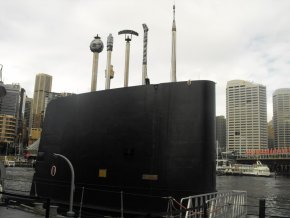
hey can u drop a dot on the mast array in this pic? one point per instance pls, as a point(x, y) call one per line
point(96, 47)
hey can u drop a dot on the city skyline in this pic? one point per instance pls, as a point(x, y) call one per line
point(218, 41)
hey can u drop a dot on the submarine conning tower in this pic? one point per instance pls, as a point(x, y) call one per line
point(162, 145)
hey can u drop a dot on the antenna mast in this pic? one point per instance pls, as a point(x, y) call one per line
point(96, 47)
point(173, 51)
point(144, 65)
point(109, 70)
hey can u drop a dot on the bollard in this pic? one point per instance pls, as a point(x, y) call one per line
point(262, 208)
point(38, 207)
point(53, 210)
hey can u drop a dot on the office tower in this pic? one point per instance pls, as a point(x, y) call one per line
point(12, 105)
point(221, 133)
point(246, 116)
point(42, 85)
point(27, 112)
point(7, 128)
point(27, 123)
point(281, 117)
point(21, 111)
point(271, 138)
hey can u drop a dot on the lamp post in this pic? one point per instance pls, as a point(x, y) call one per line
point(128, 38)
point(70, 213)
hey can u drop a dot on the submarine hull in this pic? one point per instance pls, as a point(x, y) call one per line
point(132, 146)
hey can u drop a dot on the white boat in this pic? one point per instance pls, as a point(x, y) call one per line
point(8, 163)
point(257, 169)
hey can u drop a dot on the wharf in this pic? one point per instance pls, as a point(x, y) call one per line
point(9, 212)
point(23, 164)
point(12, 211)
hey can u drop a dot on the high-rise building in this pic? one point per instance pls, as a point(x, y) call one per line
point(12, 104)
point(21, 110)
point(221, 133)
point(271, 138)
point(42, 86)
point(7, 128)
point(281, 117)
point(27, 112)
point(27, 124)
point(246, 116)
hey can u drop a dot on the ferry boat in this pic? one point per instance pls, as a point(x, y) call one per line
point(225, 167)
point(8, 162)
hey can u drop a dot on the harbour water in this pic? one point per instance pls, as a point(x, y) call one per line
point(276, 191)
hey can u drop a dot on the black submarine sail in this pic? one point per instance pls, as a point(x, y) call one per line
point(132, 146)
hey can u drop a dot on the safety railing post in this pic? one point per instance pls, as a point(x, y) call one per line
point(47, 208)
point(122, 205)
point(262, 208)
point(205, 213)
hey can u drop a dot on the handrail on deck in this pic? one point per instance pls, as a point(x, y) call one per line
point(215, 205)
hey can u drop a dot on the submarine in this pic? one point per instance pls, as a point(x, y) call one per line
point(146, 142)
point(133, 150)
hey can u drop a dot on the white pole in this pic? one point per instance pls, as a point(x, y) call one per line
point(70, 213)
point(109, 54)
point(96, 47)
point(173, 51)
point(173, 57)
point(95, 71)
point(127, 56)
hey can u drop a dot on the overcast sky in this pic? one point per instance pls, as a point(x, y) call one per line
point(218, 40)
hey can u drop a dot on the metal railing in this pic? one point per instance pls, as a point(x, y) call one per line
point(231, 204)
point(215, 205)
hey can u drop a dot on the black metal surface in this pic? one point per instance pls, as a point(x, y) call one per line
point(154, 141)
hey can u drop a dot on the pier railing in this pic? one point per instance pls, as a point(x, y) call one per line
point(215, 205)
